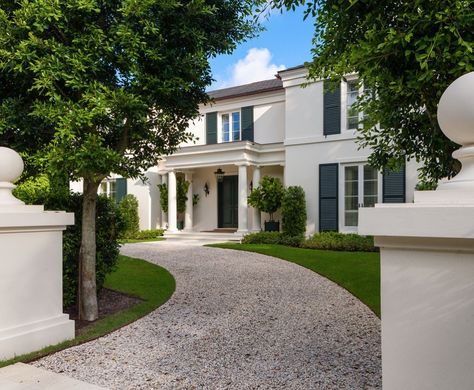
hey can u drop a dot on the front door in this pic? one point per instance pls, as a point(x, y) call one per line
point(228, 206)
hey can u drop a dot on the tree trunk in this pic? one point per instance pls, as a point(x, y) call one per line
point(87, 289)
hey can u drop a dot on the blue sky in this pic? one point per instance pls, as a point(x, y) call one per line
point(285, 43)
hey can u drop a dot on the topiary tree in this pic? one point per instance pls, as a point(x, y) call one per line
point(182, 187)
point(267, 196)
point(163, 196)
point(128, 207)
point(293, 211)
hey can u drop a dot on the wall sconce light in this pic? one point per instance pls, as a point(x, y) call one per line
point(206, 189)
point(219, 175)
point(251, 185)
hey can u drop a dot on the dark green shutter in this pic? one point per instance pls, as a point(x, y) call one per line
point(211, 128)
point(332, 110)
point(121, 189)
point(393, 189)
point(328, 197)
point(247, 123)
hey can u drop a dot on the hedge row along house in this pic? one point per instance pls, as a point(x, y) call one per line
point(304, 136)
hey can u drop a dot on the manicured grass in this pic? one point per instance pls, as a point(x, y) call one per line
point(153, 284)
point(357, 272)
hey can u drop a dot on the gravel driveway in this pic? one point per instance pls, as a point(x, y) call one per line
point(237, 320)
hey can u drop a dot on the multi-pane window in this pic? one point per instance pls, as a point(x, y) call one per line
point(361, 182)
point(231, 127)
point(108, 188)
point(351, 111)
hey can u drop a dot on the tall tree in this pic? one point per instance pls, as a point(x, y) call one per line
point(110, 86)
point(406, 52)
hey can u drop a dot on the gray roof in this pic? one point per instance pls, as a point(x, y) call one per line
point(247, 89)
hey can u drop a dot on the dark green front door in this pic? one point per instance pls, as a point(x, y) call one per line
point(227, 199)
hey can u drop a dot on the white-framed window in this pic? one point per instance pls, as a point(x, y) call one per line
point(351, 90)
point(230, 127)
point(361, 186)
point(108, 187)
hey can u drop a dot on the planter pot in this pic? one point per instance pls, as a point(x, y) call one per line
point(272, 226)
point(180, 225)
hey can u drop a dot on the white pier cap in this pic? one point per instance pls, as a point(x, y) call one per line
point(11, 168)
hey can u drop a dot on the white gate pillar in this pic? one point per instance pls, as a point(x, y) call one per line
point(31, 304)
point(427, 267)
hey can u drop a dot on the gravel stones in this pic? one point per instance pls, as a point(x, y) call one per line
point(237, 320)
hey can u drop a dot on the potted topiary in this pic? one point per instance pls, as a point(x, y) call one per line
point(267, 198)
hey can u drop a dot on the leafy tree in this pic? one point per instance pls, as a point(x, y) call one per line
point(267, 196)
point(108, 86)
point(406, 52)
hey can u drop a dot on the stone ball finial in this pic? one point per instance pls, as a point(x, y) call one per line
point(456, 110)
point(11, 168)
point(11, 165)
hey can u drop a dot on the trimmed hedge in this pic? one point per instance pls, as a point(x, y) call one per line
point(109, 226)
point(147, 234)
point(327, 240)
point(272, 238)
point(340, 242)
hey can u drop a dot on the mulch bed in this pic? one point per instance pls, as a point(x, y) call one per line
point(110, 302)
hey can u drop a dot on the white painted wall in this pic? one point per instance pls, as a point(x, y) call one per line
point(269, 123)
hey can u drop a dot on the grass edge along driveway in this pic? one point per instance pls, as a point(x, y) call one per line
point(357, 272)
point(140, 278)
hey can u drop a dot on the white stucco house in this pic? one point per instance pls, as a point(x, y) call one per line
point(304, 136)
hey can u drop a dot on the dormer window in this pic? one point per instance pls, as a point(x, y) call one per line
point(231, 127)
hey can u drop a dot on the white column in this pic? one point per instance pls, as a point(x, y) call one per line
point(243, 208)
point(172, 212)
point(257, 223)
point(188, 216)
point(164, 215)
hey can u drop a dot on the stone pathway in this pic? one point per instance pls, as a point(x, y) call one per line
point(237, 320)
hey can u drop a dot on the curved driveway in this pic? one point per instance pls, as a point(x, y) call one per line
point(237, 320)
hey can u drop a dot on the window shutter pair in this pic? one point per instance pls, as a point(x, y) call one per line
point(247, 125)
point(393, 191)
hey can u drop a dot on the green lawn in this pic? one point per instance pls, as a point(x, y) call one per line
point(357, 272)
point(152, 283)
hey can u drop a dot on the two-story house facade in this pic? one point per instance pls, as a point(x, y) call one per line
point(305, 136)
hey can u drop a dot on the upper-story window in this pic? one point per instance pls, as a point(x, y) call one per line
point(352, 114)
point(231, 129)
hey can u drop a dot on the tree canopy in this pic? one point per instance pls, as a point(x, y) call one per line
point(92, 87)
point(406, 52)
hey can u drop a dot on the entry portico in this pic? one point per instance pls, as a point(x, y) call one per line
point(222, 200)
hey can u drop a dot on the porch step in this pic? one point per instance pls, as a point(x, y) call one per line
point(204, 236)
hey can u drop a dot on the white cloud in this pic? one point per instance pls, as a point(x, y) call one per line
point(256, 66)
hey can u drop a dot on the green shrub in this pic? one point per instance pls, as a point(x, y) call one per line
point(109, 225)
point(272, 238)
point(340, 242)
point(34, 190)
point(163, 196)
point(293, 212)
point(147, 234)
point(267, 196)
point(128, 208)
point(262, 238)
